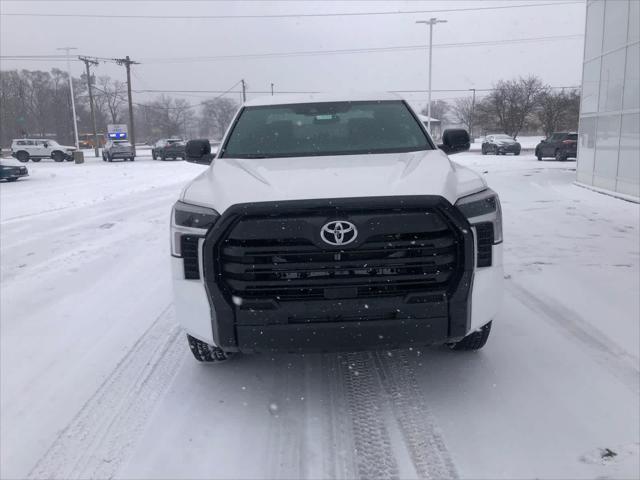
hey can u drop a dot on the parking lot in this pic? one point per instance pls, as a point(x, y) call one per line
point(97, 380)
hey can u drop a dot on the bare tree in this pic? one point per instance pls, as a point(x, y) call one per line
point(512, 103)
point(558, 110)
point(114, 96)
point(462, 111)
point(439, 110)
point(216, 116)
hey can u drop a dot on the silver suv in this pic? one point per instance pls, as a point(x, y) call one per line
point(115, 149)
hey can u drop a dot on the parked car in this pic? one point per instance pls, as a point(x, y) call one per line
point(168, 148)
point(11, 171)
point(35, 149)
point(115, 149)
point(560, 145)
point(351, 230)
point(500, 144)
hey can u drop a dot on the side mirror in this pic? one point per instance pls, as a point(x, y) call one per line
point(199, 151)
point(455, 141)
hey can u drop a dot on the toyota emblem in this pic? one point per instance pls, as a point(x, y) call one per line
point(339, 232)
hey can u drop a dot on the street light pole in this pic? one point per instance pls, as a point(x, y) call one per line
point(431, 22)
point(73, 102)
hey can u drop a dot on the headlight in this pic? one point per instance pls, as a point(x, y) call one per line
point(189, 219)
point(483, 207)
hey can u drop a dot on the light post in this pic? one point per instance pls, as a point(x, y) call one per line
point(431, 22)
point(73, 102)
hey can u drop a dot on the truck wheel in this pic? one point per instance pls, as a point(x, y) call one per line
point(57, 156)
point(163, 157)
point(473, 341)
point(109, 159)
point(36, 160)
point(203, 352)
point(153, 155)
point(484, 151)
point(517, 152)
point(22, 156)
point(560, 157)
point(539, 155)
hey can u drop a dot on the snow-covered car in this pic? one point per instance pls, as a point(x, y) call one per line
point(115, 149)
point(35, 149)
point(500, 144)
point(168, 148)
point(334, 223)
point(11, 171)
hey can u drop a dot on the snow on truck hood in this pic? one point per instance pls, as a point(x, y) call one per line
point(230, 181)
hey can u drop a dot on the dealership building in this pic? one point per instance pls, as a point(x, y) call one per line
point(609, 132)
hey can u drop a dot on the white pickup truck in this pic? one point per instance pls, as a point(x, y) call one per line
point(334, 223)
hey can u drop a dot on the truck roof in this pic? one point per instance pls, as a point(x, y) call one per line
point(321, 97)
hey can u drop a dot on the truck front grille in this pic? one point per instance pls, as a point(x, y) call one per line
point(384, 264)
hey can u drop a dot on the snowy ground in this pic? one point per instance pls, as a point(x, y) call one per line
point(96, 380)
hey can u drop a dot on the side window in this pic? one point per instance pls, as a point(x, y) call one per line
point(21, 142)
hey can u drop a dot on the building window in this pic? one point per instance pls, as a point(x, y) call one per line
point(590, 86)
point(607, 144)
point(611, 80)
point(632, 78)
point(593, 41)
point(616, 16)
point(586, 149)
point(634, 21)
point(629, 163)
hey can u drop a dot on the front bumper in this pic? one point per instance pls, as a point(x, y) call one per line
point(116, 155)
point(325, 324)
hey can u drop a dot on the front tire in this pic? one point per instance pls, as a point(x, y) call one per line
point(203, 352)
point(22, 156)
point(57, 156)
point(560, 157)
point(35, 160)
point(474, 341)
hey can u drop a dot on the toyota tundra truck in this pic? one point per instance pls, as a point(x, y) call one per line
point(334, 223)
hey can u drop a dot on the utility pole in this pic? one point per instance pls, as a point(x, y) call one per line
point(272, 89)
point(244, 91)
point(73, 102)
point(127, 62)
point(473, 113)
point(96, 144)
point(431, 22)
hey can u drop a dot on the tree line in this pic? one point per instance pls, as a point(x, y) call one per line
point(513, 107)
point(38, 104)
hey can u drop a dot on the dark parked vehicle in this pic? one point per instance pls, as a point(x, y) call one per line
point(560, 145)
point(168, 148)
point(500, 145)
point(11, 171)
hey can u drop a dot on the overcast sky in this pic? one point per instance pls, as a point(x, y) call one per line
point(155, 41)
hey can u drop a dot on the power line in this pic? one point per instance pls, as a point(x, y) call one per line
point(287, 15)
point(513, 41)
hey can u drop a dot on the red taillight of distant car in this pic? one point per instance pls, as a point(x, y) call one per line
point(569, 142)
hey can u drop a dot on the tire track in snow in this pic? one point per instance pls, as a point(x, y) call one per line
point(607, 353)
point(100, 437)
point(373, 452)
point(422, 437)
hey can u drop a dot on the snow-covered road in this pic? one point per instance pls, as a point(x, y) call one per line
point(97, 381)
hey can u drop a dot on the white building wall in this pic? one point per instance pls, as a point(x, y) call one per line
point(609, 132)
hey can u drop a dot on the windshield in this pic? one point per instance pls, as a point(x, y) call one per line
point(332, 128)
point(502, 137)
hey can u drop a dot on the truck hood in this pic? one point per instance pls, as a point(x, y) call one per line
point(231, 181)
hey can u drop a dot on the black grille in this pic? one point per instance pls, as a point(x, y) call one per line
point(484, 232)
point(189, 249)
point(296, 268)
